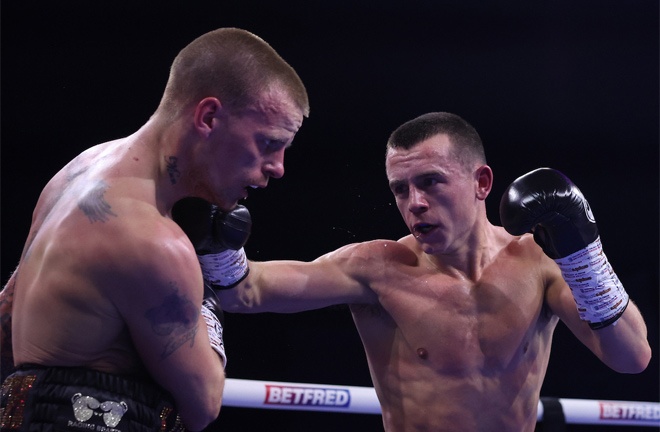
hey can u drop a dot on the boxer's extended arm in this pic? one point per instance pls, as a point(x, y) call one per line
point(339, 277)
point(547, 203)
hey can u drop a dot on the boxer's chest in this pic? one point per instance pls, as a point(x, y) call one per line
point(457, 323)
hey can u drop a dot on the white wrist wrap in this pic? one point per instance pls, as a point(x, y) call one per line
point(225, 268)
point(214, 329)
point(600, 296)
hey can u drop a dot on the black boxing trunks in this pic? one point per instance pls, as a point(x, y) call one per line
point(57, 399)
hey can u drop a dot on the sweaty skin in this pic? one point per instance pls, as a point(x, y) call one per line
point(108, 294)
point(468, 354)
point(445, 352)
point(108, 281)
point(125, 292)
point(456, 318)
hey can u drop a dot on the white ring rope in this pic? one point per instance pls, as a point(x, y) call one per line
point(362, 400)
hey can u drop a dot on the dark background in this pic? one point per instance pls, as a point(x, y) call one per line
point(567, 84)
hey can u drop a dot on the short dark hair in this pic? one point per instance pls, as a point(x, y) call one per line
point(467, 143)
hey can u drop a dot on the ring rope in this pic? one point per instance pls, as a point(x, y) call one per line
point(243, 393)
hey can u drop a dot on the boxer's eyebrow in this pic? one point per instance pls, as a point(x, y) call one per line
point(396, 185)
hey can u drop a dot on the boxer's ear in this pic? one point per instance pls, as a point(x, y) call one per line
point(206, 112)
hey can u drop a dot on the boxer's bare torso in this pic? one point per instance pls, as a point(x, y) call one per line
point(94, 219)
point(450, 351)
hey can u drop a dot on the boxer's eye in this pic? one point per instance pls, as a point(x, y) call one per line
point(399, 189)
point(271, 145)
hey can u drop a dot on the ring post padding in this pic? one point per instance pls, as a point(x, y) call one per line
point(553, 416)
point(243, 393)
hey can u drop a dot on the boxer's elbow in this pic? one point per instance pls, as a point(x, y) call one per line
point(632, 361)
point(243, 298)
point(203, 415)
point(640, 360)
point(198, 412)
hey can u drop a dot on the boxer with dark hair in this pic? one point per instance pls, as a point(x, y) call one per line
point(457, 318)
point(110, 323)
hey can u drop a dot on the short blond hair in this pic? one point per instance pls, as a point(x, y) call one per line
point(233, 65)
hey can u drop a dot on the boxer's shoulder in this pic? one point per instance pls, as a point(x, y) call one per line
point(377, 252)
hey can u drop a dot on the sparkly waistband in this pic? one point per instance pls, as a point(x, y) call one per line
point(80, 399)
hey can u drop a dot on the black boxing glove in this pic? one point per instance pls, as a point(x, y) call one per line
point(214, 318)
point(218, 239)
point(548, 204)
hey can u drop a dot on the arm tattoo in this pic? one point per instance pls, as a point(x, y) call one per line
point(173, 169)
point(175, 319)
point(94, 205)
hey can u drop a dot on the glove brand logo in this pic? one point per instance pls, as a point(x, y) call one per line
point(587, 211)
point(86, 407)
point(307, 396)
point(578, 268)
point(616, 305)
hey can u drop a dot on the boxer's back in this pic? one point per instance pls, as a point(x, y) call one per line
point(66, 267)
